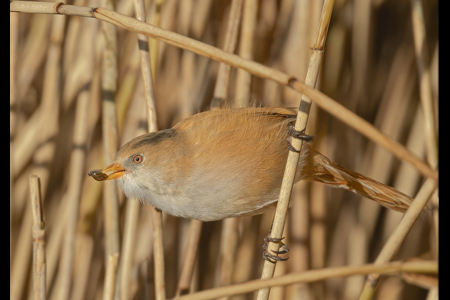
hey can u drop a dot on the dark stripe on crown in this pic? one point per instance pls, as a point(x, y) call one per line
point(155, 138)
point(285, 116)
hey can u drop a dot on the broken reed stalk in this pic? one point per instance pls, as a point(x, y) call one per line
point(400, 233)
point(325, 102)
point(293, 157)
point(38, 230)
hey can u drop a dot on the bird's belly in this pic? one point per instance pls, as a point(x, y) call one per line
point(209, 204)
point(205, 195)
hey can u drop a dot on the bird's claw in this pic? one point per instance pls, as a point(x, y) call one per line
point(297, 135)
point(270, 257)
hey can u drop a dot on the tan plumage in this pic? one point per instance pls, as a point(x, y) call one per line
point(228, 162)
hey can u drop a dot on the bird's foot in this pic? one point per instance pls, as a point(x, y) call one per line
point(270, 257)
point(298, 135)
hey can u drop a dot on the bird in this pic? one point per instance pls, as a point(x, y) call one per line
point(229, 162)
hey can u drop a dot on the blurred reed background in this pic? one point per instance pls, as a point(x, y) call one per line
point(57, 133)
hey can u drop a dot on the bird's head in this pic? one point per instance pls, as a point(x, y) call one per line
point(137, 158)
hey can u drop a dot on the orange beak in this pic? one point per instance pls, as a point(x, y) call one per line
point(113, 171)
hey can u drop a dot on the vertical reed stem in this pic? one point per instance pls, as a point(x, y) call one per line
point(39, 262)
point(293, 157)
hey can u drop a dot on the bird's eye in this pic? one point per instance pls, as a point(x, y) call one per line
point(137, 159)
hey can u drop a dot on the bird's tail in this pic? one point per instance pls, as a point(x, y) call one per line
point(330, 173)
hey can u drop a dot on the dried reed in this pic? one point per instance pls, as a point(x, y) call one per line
point(39, 263)
point(368, 84)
